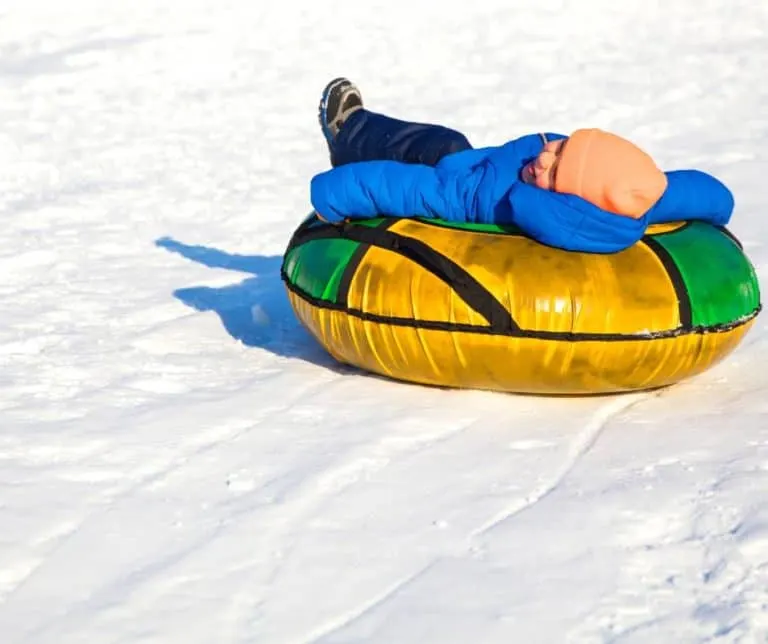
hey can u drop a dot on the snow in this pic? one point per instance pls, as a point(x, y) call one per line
point(180, 462)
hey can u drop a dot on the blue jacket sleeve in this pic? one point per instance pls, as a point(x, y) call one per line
point(467, 186)
point(377, 188)
point(461, 161)
point(692, 194)
point(570, 222)
point(512, 156)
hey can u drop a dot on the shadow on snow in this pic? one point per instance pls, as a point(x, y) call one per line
point(256, 311)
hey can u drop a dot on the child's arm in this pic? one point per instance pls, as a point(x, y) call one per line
point(389, 188)
point(692, 194)
point(570, 222)
point(375, 189)
point(450, 191)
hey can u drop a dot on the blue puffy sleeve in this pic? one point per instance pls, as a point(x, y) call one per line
point(462, 161)
point(692, 194)
point(570, 222)
point(467, 186)
point(377, 188)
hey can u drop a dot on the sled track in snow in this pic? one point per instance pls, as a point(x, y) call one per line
point(586, 438)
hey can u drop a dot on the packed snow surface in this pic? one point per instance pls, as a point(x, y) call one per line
point(181, 462)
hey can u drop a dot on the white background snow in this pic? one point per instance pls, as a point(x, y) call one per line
point(180, 462)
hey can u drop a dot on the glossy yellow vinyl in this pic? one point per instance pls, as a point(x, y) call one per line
point(514, 364)
point(549, 290)
point(391, 285)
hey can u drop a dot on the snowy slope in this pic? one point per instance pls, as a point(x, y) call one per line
point(179, 462)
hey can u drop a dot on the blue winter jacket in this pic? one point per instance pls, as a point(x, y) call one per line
point(484, 186)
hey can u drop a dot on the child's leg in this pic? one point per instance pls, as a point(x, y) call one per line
point(367, 136)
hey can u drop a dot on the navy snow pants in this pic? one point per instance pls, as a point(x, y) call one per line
point(368, 136)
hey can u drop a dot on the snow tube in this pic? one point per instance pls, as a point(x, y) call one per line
point(485, 307)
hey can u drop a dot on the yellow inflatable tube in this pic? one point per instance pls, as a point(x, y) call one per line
point(480, 306)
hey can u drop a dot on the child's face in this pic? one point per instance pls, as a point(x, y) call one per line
point(542, 170)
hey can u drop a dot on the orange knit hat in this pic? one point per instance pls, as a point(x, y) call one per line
point(609, 172)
